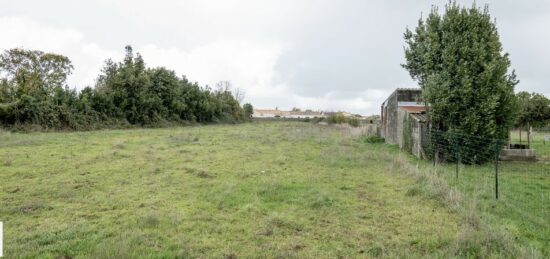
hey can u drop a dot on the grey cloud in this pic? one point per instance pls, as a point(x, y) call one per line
point(338, 49)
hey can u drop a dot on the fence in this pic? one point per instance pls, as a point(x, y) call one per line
point(514, 190)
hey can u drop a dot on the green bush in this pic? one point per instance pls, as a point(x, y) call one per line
point(353, 121)
point(339, 118)
point(374, 139)
point(336, 118)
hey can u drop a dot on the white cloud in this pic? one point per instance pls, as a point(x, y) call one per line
point(87, 58)
point(322, 54)
point(249, 66)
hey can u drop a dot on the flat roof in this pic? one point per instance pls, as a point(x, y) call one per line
point(413, 109)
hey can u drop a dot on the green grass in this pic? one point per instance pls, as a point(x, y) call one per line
point(542, 150)
point(269, 189)
point(523, 207)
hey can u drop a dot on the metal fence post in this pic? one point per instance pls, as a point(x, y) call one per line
point(457, 150)
point(435, 154)
point(497, 149)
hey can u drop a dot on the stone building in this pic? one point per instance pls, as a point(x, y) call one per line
point(403, 120)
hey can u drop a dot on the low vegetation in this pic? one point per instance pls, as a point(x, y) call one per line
point(340, 118)
point(519, 215)
point(267, 189)
point(374, 139)
point(542, 148)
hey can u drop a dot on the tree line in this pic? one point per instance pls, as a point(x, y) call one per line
point(34, 93)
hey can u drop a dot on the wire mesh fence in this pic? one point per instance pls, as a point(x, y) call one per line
point(516, 190)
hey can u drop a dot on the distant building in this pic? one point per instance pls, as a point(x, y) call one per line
point(404, 110)
point(269, 113)
point(345, 114)
point(305, 114)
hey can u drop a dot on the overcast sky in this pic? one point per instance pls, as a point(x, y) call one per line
point(316, 54)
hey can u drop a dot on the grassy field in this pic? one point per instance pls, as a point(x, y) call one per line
point(523, 207)
point(270, 189)
point(542, 149)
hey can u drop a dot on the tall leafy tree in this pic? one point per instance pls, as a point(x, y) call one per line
point(34, 71)
point(125, 86)
point(457, 59)
point(30, 81)
point(533, 110)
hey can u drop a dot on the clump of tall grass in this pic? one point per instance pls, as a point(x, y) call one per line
point(119, 144)
point(8, 161)
point(429, 184)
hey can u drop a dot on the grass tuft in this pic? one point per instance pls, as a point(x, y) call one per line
point(33, 207)
point(150, 221)
point(8, 161)
point(376, 250)
point(322, 201)
point(119, 144)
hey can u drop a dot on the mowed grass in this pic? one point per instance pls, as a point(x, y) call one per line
point(267, 189)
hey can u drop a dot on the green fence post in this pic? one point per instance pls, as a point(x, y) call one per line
point(457, 150)
point(497, 149)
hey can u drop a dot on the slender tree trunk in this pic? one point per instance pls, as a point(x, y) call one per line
point(520, 135)
point(528, 135)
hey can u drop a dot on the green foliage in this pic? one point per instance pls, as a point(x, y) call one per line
point(458, 61)
point(33, 91)
point(336, 118)
point(248, 110)
point(353, 121)
point(533, 109)
point(340, 118)
point(374, 139)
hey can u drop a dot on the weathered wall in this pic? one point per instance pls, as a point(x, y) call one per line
point(416, 138)
point(409, 95)
point(402, 118)
point(370, 129)
point(391, 121)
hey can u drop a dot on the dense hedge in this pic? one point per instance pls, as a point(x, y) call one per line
point(33, 93)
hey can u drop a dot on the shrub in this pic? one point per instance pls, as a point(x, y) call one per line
point(339, 118)
point(374, 139)
point(336, 118)
point(353, 121)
